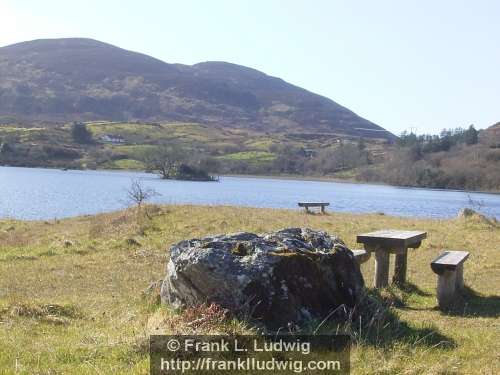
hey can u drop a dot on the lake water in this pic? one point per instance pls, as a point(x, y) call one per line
point(32, 193)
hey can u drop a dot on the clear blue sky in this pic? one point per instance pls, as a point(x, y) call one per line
point(400, 64)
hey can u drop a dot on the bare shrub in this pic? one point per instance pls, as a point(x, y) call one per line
point(138, 194)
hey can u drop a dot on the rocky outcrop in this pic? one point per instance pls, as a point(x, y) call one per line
point(292, 275)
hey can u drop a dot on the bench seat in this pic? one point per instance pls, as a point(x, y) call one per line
point(449, 266)
point(449, 260)
point(361, 256)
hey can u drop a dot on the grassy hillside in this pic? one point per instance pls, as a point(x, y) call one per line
point(74, 299)
point(444, 161)
point(53, 146)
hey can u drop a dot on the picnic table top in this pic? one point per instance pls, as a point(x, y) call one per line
point(313, 204)
point(387, 238)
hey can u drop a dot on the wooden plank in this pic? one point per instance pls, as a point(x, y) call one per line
point(390, 238)
point(459, 277)
point(313, 204)
point(381, 276)
point(446, 288)
point(361, 256)
point(449, 261)
point(400, 266)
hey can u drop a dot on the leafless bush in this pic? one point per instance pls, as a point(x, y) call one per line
point(138, 194)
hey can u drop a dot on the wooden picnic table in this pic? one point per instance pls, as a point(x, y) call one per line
point(306, 205)
point(390, 241)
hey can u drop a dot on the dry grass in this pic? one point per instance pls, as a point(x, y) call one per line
point(74, 294)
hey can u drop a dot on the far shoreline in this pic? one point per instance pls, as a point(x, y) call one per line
point(355, 182)
point(273, 177)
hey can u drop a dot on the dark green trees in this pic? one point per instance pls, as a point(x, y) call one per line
point(471, 135)
point(81, 134)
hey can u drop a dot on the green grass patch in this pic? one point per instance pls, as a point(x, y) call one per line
point(250, 156)
point(130, 164)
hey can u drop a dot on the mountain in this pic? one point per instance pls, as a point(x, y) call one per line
point(83, 79)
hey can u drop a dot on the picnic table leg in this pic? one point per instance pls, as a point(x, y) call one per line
point(400, 266)
point(322, 209)
point(459, 277)
point(381, 278)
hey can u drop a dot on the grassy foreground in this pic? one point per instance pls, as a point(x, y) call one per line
point(74, 299)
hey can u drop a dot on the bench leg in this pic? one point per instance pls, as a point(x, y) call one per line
point(322, 209)
point(459, 277)
point(446, 286)
point(400, 266)
point(381, 268)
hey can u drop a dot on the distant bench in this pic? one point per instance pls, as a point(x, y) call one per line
point(306, 205)
point(449, 266)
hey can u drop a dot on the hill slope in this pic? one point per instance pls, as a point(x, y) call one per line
point(84, 79)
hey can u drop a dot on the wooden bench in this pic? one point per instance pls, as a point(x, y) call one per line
point(449, 266)
point(306, 205)
point(361, 256)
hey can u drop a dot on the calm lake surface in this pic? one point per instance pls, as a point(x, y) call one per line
point(32, 193)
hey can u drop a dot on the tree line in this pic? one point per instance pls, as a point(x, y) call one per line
point(442, 142)
point(456, 158)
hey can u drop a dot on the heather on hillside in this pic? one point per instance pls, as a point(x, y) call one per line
point(77, 79)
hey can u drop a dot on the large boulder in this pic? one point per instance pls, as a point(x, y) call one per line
point(291, 275)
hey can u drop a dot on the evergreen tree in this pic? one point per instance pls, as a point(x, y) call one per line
point(471, 136)
point(80, 133)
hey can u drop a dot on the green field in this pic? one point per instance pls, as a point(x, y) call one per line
point(250, 156)
point(40, 146)
point(73, 296)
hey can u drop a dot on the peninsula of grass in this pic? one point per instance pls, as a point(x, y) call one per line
point(79, 295)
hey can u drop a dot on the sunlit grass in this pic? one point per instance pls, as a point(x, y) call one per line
point(73, 300)
point(250, 156)
point(127, 164)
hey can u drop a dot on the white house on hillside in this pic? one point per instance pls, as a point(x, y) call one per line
point(115, 139)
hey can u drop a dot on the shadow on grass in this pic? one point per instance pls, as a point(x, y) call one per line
point(469, 303)
point(411, 288)
point(374, 322)
point(398, 295)
point(317, 213)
